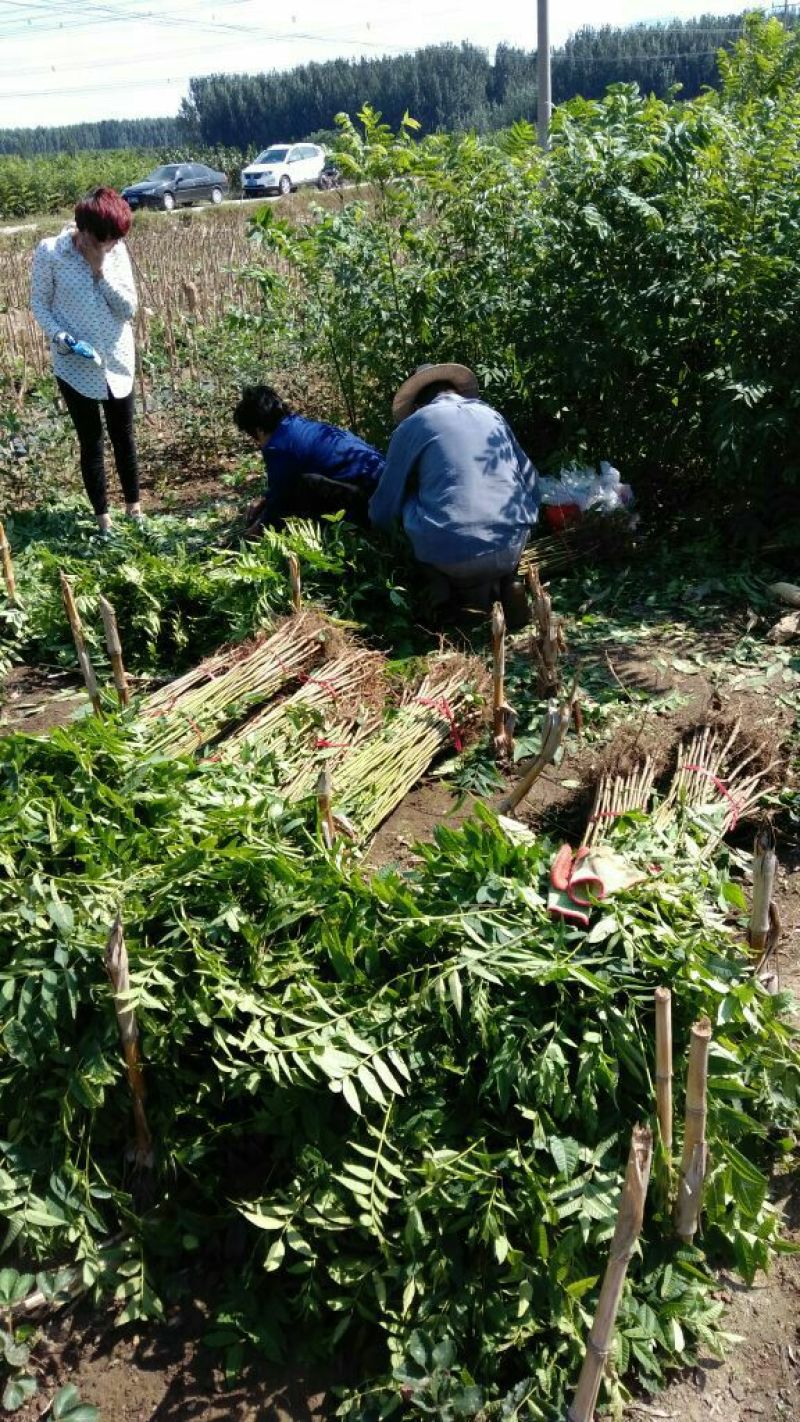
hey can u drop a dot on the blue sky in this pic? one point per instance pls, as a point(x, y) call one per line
point(63, 61)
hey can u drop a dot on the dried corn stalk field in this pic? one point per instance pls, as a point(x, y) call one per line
point(188, 272)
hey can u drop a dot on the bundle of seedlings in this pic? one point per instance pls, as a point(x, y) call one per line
point(189, 713)
point(341, 738)
point(315, 722)
point(617, 794)
point(719, 779)
point(410, 1097)
point(442, 711)
point(598, 537)
point(631, 836)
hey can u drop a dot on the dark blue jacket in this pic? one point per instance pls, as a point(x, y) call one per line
point(300, 446)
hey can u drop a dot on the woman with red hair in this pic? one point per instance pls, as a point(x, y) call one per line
point(83, 297)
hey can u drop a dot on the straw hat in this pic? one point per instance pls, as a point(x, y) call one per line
point(459, 376)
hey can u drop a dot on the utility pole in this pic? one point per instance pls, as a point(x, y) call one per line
point(544, 100)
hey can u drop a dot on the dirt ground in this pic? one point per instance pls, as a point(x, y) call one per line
point(36, 702)
point(163, 1375)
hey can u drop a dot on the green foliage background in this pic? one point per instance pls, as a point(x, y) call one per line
point(448, 86)
point(393, 1111)
point(628, 296)
point(48, 183)
point(396, 1109)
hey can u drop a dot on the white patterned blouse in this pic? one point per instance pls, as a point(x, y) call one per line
point(66, 296)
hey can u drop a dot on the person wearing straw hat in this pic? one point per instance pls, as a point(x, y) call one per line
point(465, 491)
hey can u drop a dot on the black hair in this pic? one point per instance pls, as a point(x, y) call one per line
point(260, 408)
point(429, 392)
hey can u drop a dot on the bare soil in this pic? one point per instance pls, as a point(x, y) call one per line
point(35, 702)
point(164, 1373)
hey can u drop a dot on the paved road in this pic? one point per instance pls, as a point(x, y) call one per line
point(196, 207)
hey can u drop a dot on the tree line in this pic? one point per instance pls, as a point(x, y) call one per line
point(152, 133)
point(446, 87)
point(455, 87)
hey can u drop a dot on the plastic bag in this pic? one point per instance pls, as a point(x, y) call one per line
point(584, 489)
point(65, 343)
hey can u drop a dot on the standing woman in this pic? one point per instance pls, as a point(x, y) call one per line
point(84, 299)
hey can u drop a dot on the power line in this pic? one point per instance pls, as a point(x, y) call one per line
point(133, 59)
point(104, 14)
point(152, 82)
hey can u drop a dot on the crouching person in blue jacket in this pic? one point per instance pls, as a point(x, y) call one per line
point(465, 491)
point(312, 468)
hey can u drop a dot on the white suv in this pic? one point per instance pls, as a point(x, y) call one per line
point(281, 168)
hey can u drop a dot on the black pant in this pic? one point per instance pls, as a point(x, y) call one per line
point(313, 495)
point(85, 416)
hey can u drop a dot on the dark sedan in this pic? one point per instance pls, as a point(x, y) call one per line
point(177, 185)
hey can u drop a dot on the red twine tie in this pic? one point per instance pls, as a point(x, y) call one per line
point(442, 705)
point(722, 788)
point(168, 710)
point(303, 678)
point(615, 814)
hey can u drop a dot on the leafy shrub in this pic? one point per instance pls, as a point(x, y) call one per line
point(630, 296)
point(44, 184)
point(409, 1099)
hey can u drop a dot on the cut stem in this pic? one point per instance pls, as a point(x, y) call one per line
point(119, 975)
point(294, 583)
point(554, 728)
point(325, 807)
point(628, 1228)
point(664, 1064)
point(548, 640)
point(115, 651)
point(8, 566)
point(80, 644)
point(503, 717)
point(693, 1163)
point(765, 864)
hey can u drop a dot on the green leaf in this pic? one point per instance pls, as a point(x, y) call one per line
point(371, 1085)
point(580, 1287)
point(468, 1403)
point(62, 916)
point(16, 1354)
point(444, 1354)
point(262, 1219)
point(501, 1247)
point(67, 1406)
point(566, 1154)
point(275, 1256)
point(14, 1286)
point(388, 1078)
point(17, 1391)
point(351, 1095)
point(602, 930)
point(734, 895)
point(675, 1333)
point(416, 1350)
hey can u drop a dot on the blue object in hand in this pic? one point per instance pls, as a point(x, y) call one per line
point(82, 348)
point(65, 342)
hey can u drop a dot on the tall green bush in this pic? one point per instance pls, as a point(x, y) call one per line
point(629, 295)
